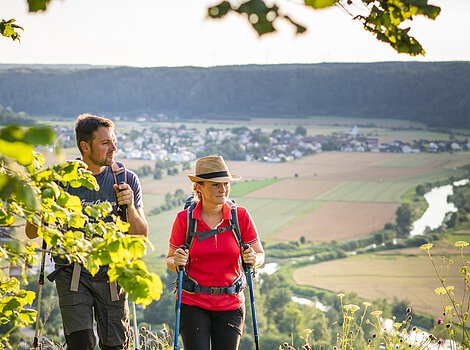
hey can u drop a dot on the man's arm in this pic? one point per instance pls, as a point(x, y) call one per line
point(137, 221)
point(135, 216)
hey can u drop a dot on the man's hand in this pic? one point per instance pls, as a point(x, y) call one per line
point(125, 195)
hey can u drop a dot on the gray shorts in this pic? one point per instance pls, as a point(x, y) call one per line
point(93, 298)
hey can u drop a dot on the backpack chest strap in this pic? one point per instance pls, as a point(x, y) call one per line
point(208, 234)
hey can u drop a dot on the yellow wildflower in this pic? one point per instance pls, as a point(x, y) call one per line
point(366, 304)
point(351, 308)
point(440, 291)
point(376, 313)
point(426, 246)
point(340, 295)
point(397, 325)
point(461, 244)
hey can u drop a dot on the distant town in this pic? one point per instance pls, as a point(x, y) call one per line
point(182, 144)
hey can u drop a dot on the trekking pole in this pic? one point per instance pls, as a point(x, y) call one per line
point(136, 328)
point(123, 215)
point(249, 272)
point(178, 302)
point(40, 284)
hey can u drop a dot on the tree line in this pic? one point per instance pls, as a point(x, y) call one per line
point(432, 93)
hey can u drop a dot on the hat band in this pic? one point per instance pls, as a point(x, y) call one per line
point(213, 175)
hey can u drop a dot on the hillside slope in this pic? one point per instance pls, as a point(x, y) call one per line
point(437, 94)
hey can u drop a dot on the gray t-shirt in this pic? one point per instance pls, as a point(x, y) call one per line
point(106, 193)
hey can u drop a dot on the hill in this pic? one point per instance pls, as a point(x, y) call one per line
point(437, 93)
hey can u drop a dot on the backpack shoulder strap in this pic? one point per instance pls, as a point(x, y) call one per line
point(191, 226)
point(119, 172)
point(120, 176)
point(234, 222)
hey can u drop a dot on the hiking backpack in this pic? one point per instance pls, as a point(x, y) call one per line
point(191, 226)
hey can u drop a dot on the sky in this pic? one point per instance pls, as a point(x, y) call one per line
point(156, 33)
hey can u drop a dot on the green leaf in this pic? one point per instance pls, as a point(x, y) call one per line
point(76, 221)
point(143, 287)
point(40, 135)
point(9, 30)
point(92, 211)
point(6, 219)
point(19, 151)
point(14, 189)
point(38, 5)
point(12, 133)
point(300, 28)
point(11, 303)
point(137, 248)
point(320, 4)
point(220, 10)
point(27, 316)
point(28, 197)
point(257, 12)
point(29, 297)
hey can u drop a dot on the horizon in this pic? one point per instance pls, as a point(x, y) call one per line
point(229, 65)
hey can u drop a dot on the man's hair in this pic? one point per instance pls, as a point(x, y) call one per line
point(86, 125)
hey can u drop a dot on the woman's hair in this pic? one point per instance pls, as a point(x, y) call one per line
point(196, 194)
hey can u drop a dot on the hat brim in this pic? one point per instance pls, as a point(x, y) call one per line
point(231, 178)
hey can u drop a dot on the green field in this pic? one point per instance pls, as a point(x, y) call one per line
point(240, 189)
point(272, 215)
point(367, 191)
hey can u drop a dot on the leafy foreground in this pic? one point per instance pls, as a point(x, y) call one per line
point(32, 192)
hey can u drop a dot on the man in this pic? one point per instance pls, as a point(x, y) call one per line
point(81, 297)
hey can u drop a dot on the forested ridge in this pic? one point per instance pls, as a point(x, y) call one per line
point(437, 93)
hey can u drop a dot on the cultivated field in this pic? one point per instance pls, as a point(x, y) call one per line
point(323, 197)
point(405, 277)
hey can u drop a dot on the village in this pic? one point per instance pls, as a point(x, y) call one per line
point(182, 144)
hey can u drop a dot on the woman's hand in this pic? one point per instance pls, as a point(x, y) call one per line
point(249, 256)
point(180, 257)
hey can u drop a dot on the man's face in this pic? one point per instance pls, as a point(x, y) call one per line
point(103, 147)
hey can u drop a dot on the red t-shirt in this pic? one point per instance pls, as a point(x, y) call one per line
point(214, 262)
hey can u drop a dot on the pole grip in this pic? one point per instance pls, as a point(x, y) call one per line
point(184, 247)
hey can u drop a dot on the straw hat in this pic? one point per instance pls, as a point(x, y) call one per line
point(212, 168)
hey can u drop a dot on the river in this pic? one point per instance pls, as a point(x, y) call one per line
point(438, 208)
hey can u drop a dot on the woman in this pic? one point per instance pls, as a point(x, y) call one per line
point(213, 308)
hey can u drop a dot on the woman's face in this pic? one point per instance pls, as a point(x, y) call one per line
point(214, 192)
